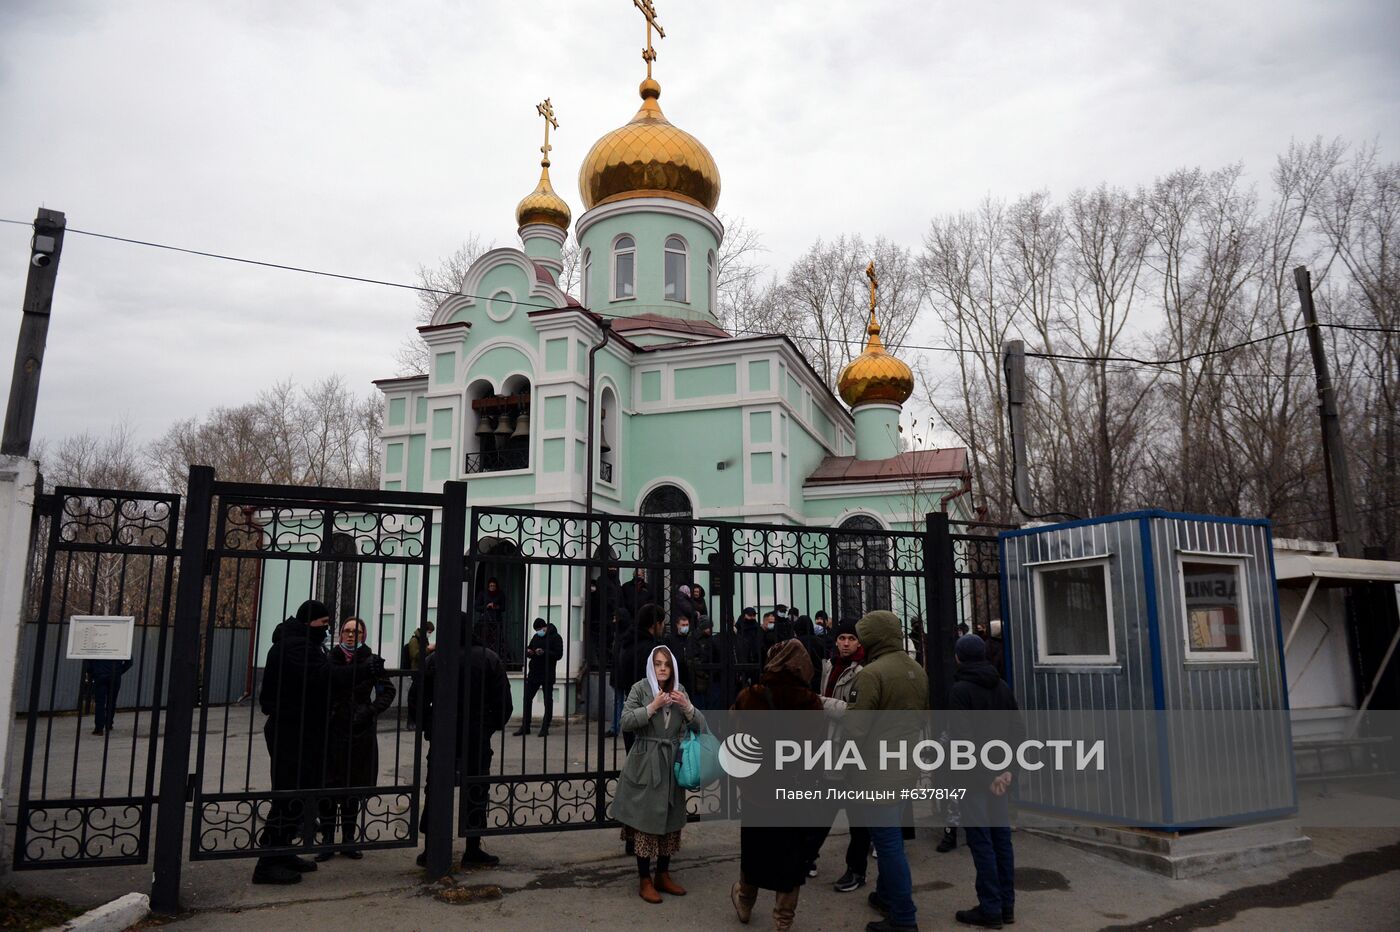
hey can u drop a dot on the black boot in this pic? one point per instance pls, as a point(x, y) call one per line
point(475, 857)
point(275, 871)
point(347, 839)
point(949, 842)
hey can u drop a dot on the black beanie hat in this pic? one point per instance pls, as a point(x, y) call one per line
point(970, 647)
point(310, 610)
point(846, 626)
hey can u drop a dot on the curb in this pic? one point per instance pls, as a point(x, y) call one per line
point(110, 917)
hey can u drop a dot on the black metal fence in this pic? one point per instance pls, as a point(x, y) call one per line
point(276, 741)
point(87, 780)
point(588, 576)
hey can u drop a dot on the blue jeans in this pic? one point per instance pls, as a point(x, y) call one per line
point(617, 710)
point(996, 868)
point(892, 880)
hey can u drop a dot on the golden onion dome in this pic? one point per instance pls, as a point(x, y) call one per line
point(875, 376)
point(649, 158)
point(542, 205)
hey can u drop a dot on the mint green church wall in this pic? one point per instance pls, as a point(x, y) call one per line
point(649, 231)
point(686, 445)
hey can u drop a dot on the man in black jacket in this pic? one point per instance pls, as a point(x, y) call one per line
point(636, 592)
point(542, 656)
point(298, 679)
point(487, 708)
point(980, 693)
point(747, 648)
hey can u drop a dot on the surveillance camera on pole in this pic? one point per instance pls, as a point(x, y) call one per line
point(44, 251)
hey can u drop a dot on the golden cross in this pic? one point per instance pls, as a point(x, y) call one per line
point(546, 110)
point(874, 284)
point(649, 11)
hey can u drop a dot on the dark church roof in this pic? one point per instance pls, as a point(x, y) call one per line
point(674, 324)
point(915, 464)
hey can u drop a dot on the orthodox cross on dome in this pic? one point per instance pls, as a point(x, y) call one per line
point(874, 328)
point(546, 110)
point(649, 12)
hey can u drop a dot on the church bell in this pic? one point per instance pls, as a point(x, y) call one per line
point(505, 426)
point(483, 427)
point(522, 427)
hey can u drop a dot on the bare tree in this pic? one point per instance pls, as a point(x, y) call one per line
point(438, 281)
point(827, 299)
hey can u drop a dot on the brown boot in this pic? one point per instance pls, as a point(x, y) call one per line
point(785, 909)
point(648, 891)
point(743, 895)
point(666, 884)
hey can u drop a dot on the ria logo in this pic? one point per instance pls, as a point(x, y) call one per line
point(740, 755)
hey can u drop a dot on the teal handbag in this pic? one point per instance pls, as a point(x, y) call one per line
point(697, 760)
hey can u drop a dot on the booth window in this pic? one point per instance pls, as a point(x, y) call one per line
point(1074, 617)
point(1213, 603)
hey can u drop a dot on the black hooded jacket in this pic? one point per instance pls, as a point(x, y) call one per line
point(298, 683)
point(977, 687)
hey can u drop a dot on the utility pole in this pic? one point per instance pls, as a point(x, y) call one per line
point(44, 251)
point(1013, 361)
point(1340, 502)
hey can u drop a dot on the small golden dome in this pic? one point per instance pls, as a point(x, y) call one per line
point(649, 158)
point(542, 205)
point(875, 376)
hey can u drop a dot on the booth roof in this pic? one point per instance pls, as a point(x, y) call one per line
point(1297, 570)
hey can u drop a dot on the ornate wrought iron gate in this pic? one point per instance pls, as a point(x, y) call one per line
point(363, 555)
point(578, 572)
point(87, 781)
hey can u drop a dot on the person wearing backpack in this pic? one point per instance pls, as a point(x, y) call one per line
point(650, 802)
point(776, 858)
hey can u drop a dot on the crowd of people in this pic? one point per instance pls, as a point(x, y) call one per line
point(666, 666)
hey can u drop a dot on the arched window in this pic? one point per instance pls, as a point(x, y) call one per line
point(624, 268)
point(583, 281)
point(866, 549)
point(676, 269)
point(712, 278)
point(666, 541)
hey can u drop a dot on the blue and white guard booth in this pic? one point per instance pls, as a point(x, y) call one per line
point(1163, 629)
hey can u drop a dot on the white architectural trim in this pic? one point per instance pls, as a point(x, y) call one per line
point(895, 486)
point(543, 231)
point(679, 483)
point(511, 308)
point(530, 353)
point(542, 293)
point(649, 205)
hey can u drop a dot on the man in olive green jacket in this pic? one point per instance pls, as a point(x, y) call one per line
point(890, 681)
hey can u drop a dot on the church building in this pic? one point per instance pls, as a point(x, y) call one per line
point(679, 417)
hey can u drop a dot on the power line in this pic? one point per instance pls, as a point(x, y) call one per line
point(1147, 364)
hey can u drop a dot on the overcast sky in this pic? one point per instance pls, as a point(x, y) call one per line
point(366, 138)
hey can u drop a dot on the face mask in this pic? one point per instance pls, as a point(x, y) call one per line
point(317, 634)
point(820, 629)
point(768, 626)
point(684, 629)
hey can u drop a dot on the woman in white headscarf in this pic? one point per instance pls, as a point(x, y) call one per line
point(649, 802)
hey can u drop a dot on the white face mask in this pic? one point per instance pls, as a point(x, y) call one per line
point(684, 629)
point(820, 629)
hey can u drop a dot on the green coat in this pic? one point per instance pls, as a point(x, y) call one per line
point(648, 798)
point(890, 681)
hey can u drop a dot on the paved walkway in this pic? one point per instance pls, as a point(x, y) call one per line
point(582, 880)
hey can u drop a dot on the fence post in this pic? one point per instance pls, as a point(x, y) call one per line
point(184, 684)
point(600, 640)
point(447, 693)
point(941, 597)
